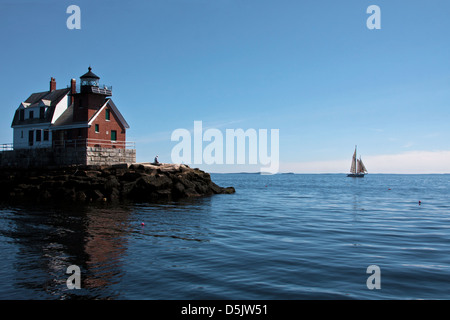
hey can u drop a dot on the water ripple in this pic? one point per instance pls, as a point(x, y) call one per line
point(278, 237)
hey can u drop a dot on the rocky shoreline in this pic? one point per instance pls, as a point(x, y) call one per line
point(141, 182)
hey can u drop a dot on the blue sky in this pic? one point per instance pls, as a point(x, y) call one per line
point(311, 69)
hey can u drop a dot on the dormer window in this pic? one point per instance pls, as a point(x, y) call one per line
point(41, 112)
point(21, 114)
point(31, 115)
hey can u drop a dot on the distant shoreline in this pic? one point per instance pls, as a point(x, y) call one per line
point(313, 173)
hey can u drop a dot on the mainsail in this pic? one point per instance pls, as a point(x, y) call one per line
point(353, 167)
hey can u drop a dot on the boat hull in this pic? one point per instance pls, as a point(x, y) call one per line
point(356, 175)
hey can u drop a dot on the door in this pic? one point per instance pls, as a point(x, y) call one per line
point(30, 137)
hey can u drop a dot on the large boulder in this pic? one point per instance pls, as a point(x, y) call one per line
point(108, 183)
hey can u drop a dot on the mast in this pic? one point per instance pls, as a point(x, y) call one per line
point(353, 167)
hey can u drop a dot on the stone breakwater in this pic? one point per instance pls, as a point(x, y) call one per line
point(142, 182)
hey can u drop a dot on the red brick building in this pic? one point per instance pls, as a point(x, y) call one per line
point(92, 118)
point(81, 120)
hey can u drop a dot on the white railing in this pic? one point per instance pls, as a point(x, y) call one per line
point(97, 143)
point(104, 90)
point(6, 147)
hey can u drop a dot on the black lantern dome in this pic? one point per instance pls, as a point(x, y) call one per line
point(90, 84)
point(89, 79)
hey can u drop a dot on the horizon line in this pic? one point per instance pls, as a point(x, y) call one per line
point(340, 173)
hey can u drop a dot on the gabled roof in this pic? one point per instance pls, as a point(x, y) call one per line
point(54, 96)
point(65, 121)
point(116, 111)
point(47, 98)
point(45, 102)
point(23, 105)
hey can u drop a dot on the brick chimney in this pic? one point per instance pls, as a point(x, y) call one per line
point(73, 88)
point(52, 84)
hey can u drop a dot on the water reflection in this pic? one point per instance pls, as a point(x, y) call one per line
point(50, 239)
point(105, 245)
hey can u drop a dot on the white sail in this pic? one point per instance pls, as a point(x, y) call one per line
point(353, 167)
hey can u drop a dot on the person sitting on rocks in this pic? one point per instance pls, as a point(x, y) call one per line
point(156, 160)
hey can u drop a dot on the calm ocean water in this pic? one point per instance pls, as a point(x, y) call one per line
point(279, 237)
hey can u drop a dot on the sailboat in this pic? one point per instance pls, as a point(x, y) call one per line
point(357, 169)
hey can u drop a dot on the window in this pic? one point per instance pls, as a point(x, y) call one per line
point(41, 112)
point(21, 115)
point(38, 135)
point(97, 129)
point(31, 115)
point(46, 134)
point(113, 135)
point(107, 114)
